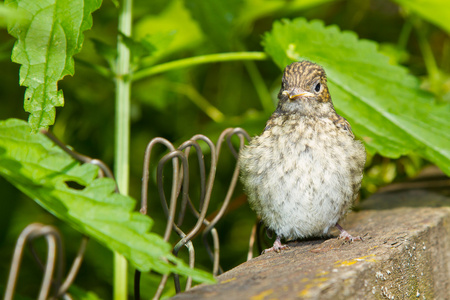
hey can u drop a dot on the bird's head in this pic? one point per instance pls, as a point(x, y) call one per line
point(304, 89)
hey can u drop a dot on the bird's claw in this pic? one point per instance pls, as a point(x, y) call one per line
point(349, 238)
point(277, 247)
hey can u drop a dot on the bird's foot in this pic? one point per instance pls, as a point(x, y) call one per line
point(277, 246)
point(347, 236)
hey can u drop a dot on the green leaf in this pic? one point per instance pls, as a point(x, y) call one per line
point(44, 172)
point(435, 11)
point(383, 103)
point(46, 43)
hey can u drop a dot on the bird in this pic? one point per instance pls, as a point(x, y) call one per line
point(303, 173)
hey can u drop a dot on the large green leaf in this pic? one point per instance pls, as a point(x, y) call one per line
point(435, 11)
point(47, 39)
point(383, 103)
point(42, 171)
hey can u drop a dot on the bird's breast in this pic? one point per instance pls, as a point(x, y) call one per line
point(304, 169)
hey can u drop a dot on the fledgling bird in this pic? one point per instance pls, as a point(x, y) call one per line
point(303, 173)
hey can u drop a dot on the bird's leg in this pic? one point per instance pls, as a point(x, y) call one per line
point(277, 246)
point(346, 236)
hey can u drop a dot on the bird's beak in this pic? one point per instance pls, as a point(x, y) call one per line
point(295, 93)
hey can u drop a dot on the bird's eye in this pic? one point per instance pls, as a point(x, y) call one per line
point(317, 88)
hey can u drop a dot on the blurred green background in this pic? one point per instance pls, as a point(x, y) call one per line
point(168, 105)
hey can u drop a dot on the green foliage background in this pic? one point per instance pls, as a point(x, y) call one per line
point(394, 89)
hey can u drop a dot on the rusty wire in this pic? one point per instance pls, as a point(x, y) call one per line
point(54, 260)
point(53, 238)
point(180, 184)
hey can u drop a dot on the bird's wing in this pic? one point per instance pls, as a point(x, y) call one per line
point(342, 123)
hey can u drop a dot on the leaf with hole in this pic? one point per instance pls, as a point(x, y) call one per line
point(74, 194)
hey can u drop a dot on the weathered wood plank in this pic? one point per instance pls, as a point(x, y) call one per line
point(406, 254)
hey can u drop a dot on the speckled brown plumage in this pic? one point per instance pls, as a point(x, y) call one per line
point(303, 173)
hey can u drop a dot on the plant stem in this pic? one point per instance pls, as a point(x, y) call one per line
point(405, 33)
point(201, 102)
point(122, 134)
point(197, 60)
